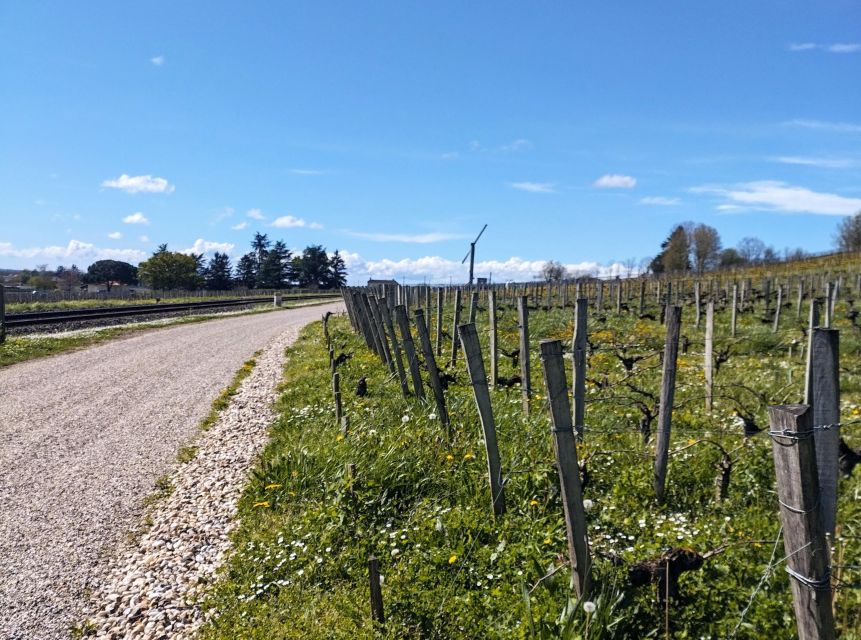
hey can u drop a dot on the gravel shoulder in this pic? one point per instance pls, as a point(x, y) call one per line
point(83, 438)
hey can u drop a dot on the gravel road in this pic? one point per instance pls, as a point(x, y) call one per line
point(83, 438)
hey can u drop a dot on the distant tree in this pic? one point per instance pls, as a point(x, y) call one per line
point(730, 259)
point(218, 272)
point(552, 271)
point(246, 271)
point(311, 269)
point(170, 270)
point(109, 272)
point(674, 256)
point(275, 270)
point(69, 277)
point(337, 271)
point(770, 256)
point(849, 233)
point(705, 247)
point(42, 278)
point(260, 245)
point(751, 250)
point(790, 255)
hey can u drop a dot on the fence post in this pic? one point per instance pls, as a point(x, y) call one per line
point(439, 308)
point(433, 372)
point(2, 314)
point(807, 555)
point(826, 417)
point(813, 322)
point(455, 323)
point(336, 389)
point(377, 612)
point(642, 296)
point(829, 304)
point(374, 303)
point(494, 350)
point(668, 389)
point(800, 298)
point(362, 320)
point(777, 309)
point(579, 356)
point(709, 353)
point(473, 306)
point(697, 302)
point(734, 317)
point(523, 325)
point(567, 464)
point(478, 379)
point(410, 350)
point(390, 328)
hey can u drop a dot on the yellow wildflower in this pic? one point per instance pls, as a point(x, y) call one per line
point(533, 503)
point(264, 503)
point(546, 540)
point(274, 485)
point(468, 456)
point(452, 559)
point(449, 457)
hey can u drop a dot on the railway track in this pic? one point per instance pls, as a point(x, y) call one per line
point(33, 318)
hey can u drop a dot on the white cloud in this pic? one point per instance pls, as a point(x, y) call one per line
point(516, 145)
point(836, 47)
point(136, 218)
point(779, 197)
point(255, 214)
point(143, 238)
point(239, 227)
point(615, 181)
point(826, 163)
point(660, 201)
point(115, 235)
point(81, 253)
point(439, 270)
point(291, 222)
point(450, 155)
point(307, 172)
point(140, 184)
point(208, 246)
point(822, 125)
point(418, 238)
point(157, 60)
point(534, 187)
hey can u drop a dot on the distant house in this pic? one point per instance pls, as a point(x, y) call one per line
point(382, 283)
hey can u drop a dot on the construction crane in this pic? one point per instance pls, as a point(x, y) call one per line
point(471, 254)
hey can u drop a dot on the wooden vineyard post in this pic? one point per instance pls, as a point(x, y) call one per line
point(567, 464)
point(734, 317)
point(455, 323)
point(800, 298)
point(777, 309)
point(372, 327)
point(494, 349)
point(428, 301)
point(709, 353)
point(813, 322)
point(2, 314)
point(410, 350)
point(362, 320)
point(618, 296)
point(697, 303)
point(381, 331)
point(377, 613)
point(393, 337)
point(807, 554)
point(829, 306)
point(336, 389)
point(642, 296)
point(478, 380)
point(826, 420)
point(438, 334)
point(668, 390)
point(433, 372)
point(473, 307)
point(523, 326)
point(579, 356)
point(599, 296)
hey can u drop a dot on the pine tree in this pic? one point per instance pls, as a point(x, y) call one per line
point(246, 271)
point(218, 272)
point(275, 271)
point(337, 271)
point(311, 269)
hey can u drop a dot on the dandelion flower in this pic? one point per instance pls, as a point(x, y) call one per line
point(589, 606)
point(432, 416)
point(452, 559)
point(533, 503)
point(405, 419)
point(264, 503)
point(588, 504)
point(546, 540)
point(449, 457)
point(468, 456)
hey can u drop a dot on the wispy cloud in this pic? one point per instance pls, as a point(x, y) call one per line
point(779, 197)
point(208, 246)
point(307, 172)
point(239, 227)
point(516, 145)
point(143, 238)
point(615, 181)
point(823, 125)
point(255, 214)
point(450, 155)
point(533, 187)
point(226, 212)
point(81, 253)
point(139, 184)
point(157, 60)
point(417, 238)
point(292, 222)
point(115, 235)
point(836, 47)
point(660, 201)
point(809, 161)
point(136, 218)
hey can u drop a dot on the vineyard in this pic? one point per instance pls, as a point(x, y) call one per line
point(497, 463)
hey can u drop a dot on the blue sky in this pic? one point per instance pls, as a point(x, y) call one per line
point(580, 132)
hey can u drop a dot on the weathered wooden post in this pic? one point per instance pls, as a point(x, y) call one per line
point(829, 305)
point(642, 296)
point(478, 380)
point(375, 334)
point(709, 353)
point(826, 420)
point(807, 554)
point(455, 323)
point(599, 296)
point(734, 316)
point(2, 314)
point(494, 349)
point(381, 331)
point(362, 320)
point(800, 298)
point(697, 303)
point(813, 322)
point(618, 296)
point(668, 390)
point(396, 347)
point(336, 390)
point(473, 306)
point(578, 347)
point(439, 308)
point(777, 309)
point(523, 326)
point(377, 612)
point(410, 350)
point(567, 464)
point(433, 372)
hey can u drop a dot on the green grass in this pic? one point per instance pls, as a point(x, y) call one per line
point(223, 399)
point(422, 505)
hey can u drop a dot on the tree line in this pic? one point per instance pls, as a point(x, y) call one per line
point(269, 265)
